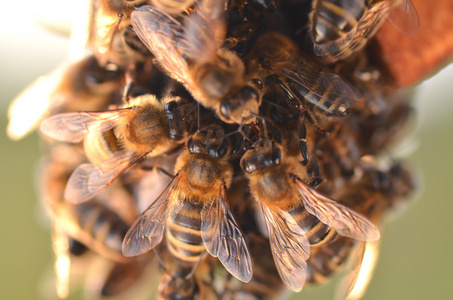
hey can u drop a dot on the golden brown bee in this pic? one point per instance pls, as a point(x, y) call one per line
point(110, 34)
point(82, 85)
point(296, 215)
point(193, 211)
point(141, 129)
point(192, 53)
point(340, 28)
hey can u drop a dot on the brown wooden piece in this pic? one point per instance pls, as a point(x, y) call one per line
point(410, 59)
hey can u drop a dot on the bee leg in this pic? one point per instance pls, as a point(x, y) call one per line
point(191, 273)
point(130, 76)
point(302, 132)
point(314, 173)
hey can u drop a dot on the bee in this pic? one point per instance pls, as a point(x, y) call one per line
point(141, 128)
point(340, 28)
point(89, 226)
point(308, 85)
point(193, 211)
point(80, 85)
point(192, 54)
point(110, 34)
point(296, 215)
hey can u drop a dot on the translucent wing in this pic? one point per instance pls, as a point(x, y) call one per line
point(345, 221)
point(73, 127)
point(204, 30)
point(148, 230)
point(327, 91)
point(404, 17)
point(223, 238)
point(363, 262)
point(166, 39)
point(290, 247)
point(162, 34)
point(88, 180)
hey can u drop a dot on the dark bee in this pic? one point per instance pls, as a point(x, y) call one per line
point(340, 28)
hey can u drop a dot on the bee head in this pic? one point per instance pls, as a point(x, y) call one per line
point(209, 141)
point(264, 154)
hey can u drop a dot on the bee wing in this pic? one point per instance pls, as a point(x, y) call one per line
point(88, 180)
point(223, 238)
point(361, 269)
point(204, 31)
point(163, 36)
point(345, 221)
point(74, 126)
point(290, 247)
point(148, 230)
point(35, 103)
point(318, 87)
point(404, 17)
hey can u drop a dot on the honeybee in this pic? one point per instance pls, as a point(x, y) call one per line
point(89, 226)
point(340, 28)
point(80, 85)
point(141, 128)
point(295, 214)
point(194, 212)
point(110, 34)
point(192, 54)
point(308, 86)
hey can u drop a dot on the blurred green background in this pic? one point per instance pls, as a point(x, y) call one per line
point(415, 261)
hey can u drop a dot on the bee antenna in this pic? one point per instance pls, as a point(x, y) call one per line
point(190, 110)
point(275, 104)
point(198, 117)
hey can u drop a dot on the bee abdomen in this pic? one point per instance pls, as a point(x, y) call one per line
point(184, 235)
point(102, 225)
point(317, 232)
point(333, 20)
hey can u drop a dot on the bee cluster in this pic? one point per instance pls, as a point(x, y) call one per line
point(244, 142)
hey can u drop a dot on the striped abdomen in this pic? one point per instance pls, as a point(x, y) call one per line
point(334, 19)
point(184, 234)
point(99, 228)
point(317, 232)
